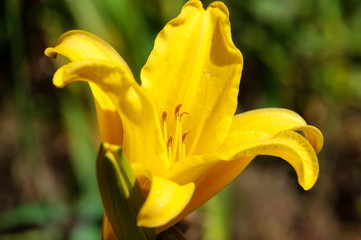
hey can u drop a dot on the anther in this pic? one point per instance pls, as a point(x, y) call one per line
point(176, 110)
point(170, 141)
point(169, 148)
point(184, 135)
point(177, 114)
point(165, 132)
point(164, 116)
point(183, 113)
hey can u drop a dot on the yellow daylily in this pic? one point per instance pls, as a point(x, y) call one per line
point(178, 129)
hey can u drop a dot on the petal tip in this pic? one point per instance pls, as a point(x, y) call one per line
point(309, 178)
point(319, 140)
point(220, 6)
point(194, 3)
point(308, 185)
point(50, 52)
point(159, 208)
point(58, 79)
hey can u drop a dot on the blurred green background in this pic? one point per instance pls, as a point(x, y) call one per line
point(303, 55)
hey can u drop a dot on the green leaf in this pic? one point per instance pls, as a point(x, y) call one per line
point(120, 193)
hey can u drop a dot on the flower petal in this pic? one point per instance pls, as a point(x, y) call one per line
point(140, 121)
point(195, 63)
point(313, 135)
point(165, 199)
point(209, 173)
point(237, 152)
point(79, 45)
point(274, 120)
point(109, 122)
point(270, 120)
point(289, 145)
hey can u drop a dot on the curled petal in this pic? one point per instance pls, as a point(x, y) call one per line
point(236, 153)
point(269, 120)
point(79, 45)
point(133, 106)
point(288, 145)
point(313, 135)
point(275, 120)
point(165, 199)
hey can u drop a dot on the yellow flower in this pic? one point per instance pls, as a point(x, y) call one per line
point(178, 129)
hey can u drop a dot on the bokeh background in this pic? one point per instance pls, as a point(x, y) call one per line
point(303, 55)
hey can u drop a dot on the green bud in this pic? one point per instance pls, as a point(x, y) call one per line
point(121, 194)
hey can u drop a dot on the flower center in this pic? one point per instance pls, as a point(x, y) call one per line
point(175, 143)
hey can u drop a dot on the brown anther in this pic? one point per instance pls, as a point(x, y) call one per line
point(170, 141)
point(176, 110)
point(164, 116)
point(184, 135)
point(183, 113)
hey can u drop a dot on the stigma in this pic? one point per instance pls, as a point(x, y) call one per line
point(175, 143)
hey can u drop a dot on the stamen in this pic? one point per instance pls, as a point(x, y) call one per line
point(165, 133)
point(184, 136)
point(164, 116)
point(183, 113)
point(170, 141)
point(176, 110)
point(178, 150)
point(178, 134)
point(175, 143)
point(183, 144)
point(169, 148)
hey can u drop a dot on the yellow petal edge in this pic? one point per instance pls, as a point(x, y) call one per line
point(165, 200)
